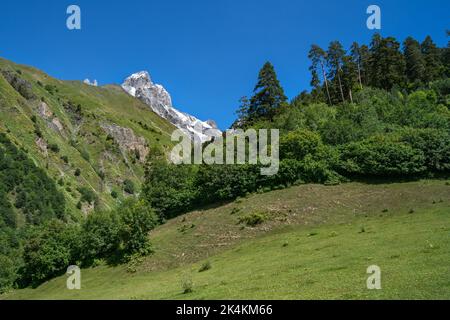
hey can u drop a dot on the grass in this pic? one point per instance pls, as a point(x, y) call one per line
point(311, 247)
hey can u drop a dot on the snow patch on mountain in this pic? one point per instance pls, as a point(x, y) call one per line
point(140, 85)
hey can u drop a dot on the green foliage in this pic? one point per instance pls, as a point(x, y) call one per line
point(53, 147)
point(87, 195)
point(100, 236)
point(169, 188)
point(253, 219)
point(205, 266)
point(48, 251)
point(268, 97)
point(36, 194)
point(381, 156)
point(138, 218)
point(297, 144)
point(128, 186)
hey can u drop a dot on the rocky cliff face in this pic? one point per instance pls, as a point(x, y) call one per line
point(140, 85)
point(127, 140)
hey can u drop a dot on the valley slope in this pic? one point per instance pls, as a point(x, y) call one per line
point(316, 243)
point(85, 137)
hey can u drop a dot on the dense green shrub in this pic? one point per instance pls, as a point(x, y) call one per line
point(87, 195)
point(128, 186)
point(380, 156)
point(48, 251)
point(100, 235)
point(137, 219)
point(169, 188)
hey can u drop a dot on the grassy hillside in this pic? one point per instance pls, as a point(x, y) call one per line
point(315, 242)
point(61, 125)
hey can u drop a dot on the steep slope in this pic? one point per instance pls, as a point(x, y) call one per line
point(316, 243)
point(140, 85)
point(89, 139)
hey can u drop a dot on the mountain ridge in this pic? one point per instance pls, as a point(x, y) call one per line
point(141, 86)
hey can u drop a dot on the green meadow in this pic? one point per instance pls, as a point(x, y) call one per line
point(314, 242)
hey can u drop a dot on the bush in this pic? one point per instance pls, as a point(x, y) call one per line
point(187, 285)
point(253, 219)
point(101, 236)
point(137, 219)
point(380, 156)
point(48, 251)
point(87, 195)
point(77, 172)
point(433, 143)
point(54, 147)
point(169, 188)
point(205, 266)
point(299, 143)
point(114, 194)
point(128, 186)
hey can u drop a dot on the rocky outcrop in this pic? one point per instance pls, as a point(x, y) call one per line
point(52, 122)
point(23, 87)
point(140, 85)
point(127, 140)
point(42, 145)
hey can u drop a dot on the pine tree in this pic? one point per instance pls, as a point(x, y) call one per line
point(386, 63)
point(415, 62)
point(268, 95)
point(318, 57)
point(355, 53)
point(350, 76)
point(335, 56)
point(433, 64)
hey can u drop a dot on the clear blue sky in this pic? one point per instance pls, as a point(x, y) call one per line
point(207, 53)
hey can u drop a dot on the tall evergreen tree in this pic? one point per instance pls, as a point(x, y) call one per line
point(318, 57)
point(387, 64)
point(414, 60)
point(268, 95)
point(355, 53)
point(350, 76)
point(433, 63)
point(335, 56)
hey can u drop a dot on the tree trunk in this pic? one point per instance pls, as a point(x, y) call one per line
point(340, 85)
point(326, 81)
point(350, 95)
point(359, 76)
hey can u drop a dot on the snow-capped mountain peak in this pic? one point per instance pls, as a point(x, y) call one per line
point(140, 85)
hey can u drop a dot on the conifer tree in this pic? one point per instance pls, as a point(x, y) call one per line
point(433, 64)
point(268, 95)
point(414, 60)
point(335, 56)
point(387, 63)
point(318, 57)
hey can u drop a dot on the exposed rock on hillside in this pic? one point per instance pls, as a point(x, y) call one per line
point(127, 140)
point(52, 122)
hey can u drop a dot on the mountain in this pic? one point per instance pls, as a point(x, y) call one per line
point(89, 140)
point(140, 85)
